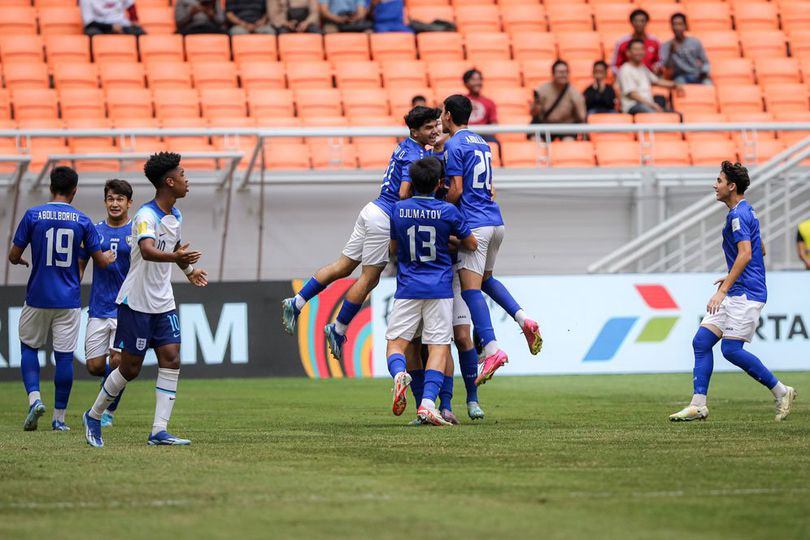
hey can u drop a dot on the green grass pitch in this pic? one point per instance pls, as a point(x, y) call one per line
point(585, 457)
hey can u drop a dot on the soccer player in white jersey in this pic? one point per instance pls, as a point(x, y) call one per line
point(146, 308)
point(56, 232)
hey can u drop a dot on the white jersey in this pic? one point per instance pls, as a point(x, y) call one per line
point(148, 285)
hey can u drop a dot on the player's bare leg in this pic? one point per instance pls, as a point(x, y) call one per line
point(355, 296)
point(531, 330)
point(397, 367)
point(479, 311)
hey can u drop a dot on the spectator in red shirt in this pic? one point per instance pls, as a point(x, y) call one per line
point(639, 19)
point(484, 110)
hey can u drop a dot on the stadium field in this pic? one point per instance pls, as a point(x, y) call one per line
point(557, 457)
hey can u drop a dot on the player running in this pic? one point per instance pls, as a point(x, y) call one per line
point(56, 232)
point(368, 244)
point(420, 234)
point(733, 311)
point(468, 161)
point(99, 345)
point(146, 308)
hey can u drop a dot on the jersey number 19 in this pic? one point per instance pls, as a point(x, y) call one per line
point(59, 243)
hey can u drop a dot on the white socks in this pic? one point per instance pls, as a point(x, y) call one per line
point(520, 317)
point(779, 390)
point(33, 396)
point(109, 391)
point(491, 348)
point(698, 400)
point(59, 415)
point(340, 328)
point(428, 404)
point(165, 392)
point(299, 302)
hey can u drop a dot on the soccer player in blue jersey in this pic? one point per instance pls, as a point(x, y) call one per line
point(56, 232)
point(468, 160)
point(733, 311)
point(368, 244)
point(146, 310)
point(420, 230)
point(101, 355)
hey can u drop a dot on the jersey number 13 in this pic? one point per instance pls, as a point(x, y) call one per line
point(429, 246)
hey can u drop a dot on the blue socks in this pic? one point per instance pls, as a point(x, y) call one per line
point(734, 353)
point(496, 290)
point(345, 316)
point(433, 383)
point(29, 367)
point(310, 289)
point(417, 384)
point(704, 359)
point(63, 379)
point(396, 364)
point(446, 393)
point(468, 361)
point(479, 311)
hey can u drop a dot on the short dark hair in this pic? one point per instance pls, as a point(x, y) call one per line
point(417, 97)
point(677, 15)
point(556, 63)
point(63, 181)
point(637, 12)
point(635, 40)
point(419, 116)
point(118, 187)
point(469, 74)
point(425, 175)
point(159, 165)
point(600, 63)
point(459, 107)
point(737, 174)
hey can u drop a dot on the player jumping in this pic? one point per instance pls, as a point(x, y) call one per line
point(146, 308)
point(56, 232)
point(733, 311)
point(368, 244)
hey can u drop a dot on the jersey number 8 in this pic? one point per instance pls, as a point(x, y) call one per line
point(60, 244)
point(483, 169)
point(430, 245)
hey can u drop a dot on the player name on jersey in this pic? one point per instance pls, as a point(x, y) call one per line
point(58, 215)
point(420, 213)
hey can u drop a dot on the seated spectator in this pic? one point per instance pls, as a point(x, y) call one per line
point(639, 19)
point(557, 102)
point(484, 111)
point(389, 16)
point(199, 17)
point(419, 101)
point(636, 81)
point(248, 17)
point(288, 16)
point(110, 17)
point(684, 56)
point(344, 16)
point(600, 97)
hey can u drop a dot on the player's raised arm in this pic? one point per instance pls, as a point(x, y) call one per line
point(22, 237)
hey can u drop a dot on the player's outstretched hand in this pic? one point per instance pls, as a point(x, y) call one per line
point(198, 277)
point(185, 257)
point(22, 262)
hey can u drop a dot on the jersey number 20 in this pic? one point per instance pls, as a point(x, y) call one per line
point(430, 245)
point(482, 173)
point(60, 243)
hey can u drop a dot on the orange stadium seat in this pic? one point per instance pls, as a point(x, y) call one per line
point(500, 73)
point(670, 154)
point(5, 104)
point(129, 102)
point(262, 74)
point(446, 73)
point(139, 143)
point(176, 102)
point(440, 46)
point(309, 74)
point(35, 103)
point(431, 12)
point(572, 154)
point(218, 74)
point(42, 146)
point(536, 72)
point(404, 73)
point(660, 13)
point(241, 143)
point(740, 98)
point(478, 18)
point(523, 154)
point(346, 47)
point(761, 150)
point(777, 70)
point(660, 118)
point(531, 46)
point(374, 121)
point(581, 72)
point(792, 137)
point(254, 48)
point(612, 17)
point(60, 20)
point(800, 43)
point(126, 75)
point(784, 97)
point(712, 152)
point(318, 102)
point(300, 48)
point(763, 43)
point(18, 76)
point(732, 71)
point(169, 75)
point(513, 3)
point(374, 155)
point(393, 46)
point(524, 18)
point(25, 48)
point(271, 103)
point(704, 118)
point(708, 16)
point(286, 156)
point(464, 3)
point(756, 16)
point(511, 101)
point(567, 17)
point(611, 118)
point(441, 92)
point(327, 122)
point(487, 46)
point(618, 153)
point(66, 49)
point(183, 123)
point(697, 98)
point(333, 156)
point(92, 145)
point(207, 48)
point(16, 20)
point(794, 16)
point(365, 102)
point(161, 48)
point(357, 74)
point(509, 120)
point(804, 64)
point(75, 76)
point(579, 45)
point(399, 98)
point(748, 118)
point(157, 20)
point(114, 48)
point(219, 102)
point(82, 103)
point(720, 44)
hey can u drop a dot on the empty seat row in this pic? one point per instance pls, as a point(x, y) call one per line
point(64, 19)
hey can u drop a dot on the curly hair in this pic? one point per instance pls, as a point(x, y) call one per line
point(736, 174)
point(159, 165)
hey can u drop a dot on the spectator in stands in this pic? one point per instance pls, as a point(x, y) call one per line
point(419, 101)
point(389, 16)
point(484, 110)
point(288, 16)
point(248, 17)
point(557, 102)
point(199, 17)
point(636, 81)
point(683, 56)
point(803, 243)
point(110, 17)
point(344, 16)
point(600, 97)
point(639, 19)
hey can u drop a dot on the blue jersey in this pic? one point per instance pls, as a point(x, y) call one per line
point(468, 155)
point(56, 232)
point(107, 282)
point(422, 227)
point(742, 225)
point(406, 153)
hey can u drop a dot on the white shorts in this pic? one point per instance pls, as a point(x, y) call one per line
point(100, 337)
point(435, 315)
point(483, 259)
point(461, 312)
point(63, 324)
point(371, 237)
point(738, 317)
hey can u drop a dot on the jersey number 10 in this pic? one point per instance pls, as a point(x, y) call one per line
point(482, 172)
point(60, 243)
point(430, 245)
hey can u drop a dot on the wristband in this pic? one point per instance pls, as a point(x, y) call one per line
point(188, 270)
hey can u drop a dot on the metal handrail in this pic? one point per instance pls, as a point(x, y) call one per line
point(14, 183)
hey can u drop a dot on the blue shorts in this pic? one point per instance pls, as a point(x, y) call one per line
point(138, 331)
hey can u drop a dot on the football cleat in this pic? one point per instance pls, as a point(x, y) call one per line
point(106, 419)
point(289, 315)
point(418, 422)
point(166, 438)
point(335, 341)
point(58, 425)
point(491, 365)
point(532, 332)
point(92, 431)
point(784, 403)
point(401, 383)
point(687, 414)
point(475, 411)
point(449, 416)
point(432, 416)
point(36, 410)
